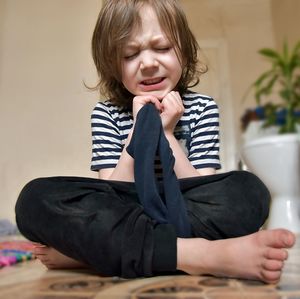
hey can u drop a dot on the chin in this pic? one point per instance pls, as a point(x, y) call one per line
point(159, 94)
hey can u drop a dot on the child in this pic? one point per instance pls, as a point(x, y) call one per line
point(145, 53)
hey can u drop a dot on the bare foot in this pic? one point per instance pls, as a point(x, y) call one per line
point(53, 259)
point(258, 256)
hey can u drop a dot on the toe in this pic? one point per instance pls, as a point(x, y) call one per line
point(273, 265)
point(276, 254)
point(40, 250)
point(270, 276)
point(278, 238)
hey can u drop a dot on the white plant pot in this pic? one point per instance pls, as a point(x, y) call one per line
point(276, 161)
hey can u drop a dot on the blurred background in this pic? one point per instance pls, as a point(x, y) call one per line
point(45, 58)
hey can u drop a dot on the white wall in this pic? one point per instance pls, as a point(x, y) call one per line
point(44, 106)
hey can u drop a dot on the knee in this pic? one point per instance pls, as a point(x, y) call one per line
point(251, 195)
point(27, 202)
point(31, 191)
point(252, 187)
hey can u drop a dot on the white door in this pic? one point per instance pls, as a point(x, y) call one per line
point(215, 83)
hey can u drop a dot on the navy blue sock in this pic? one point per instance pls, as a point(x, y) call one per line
point(148, 139)
point(143, 148)
point(176, 209)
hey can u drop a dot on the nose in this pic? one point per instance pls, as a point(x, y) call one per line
point(148, 61)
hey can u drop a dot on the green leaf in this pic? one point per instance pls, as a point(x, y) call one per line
point(270, 113)
point(270, 53)
point(266, 88)
point(295, 58)
point(270, 84)
point(296, 50)
point(285, 52)
point(263, 77)
point(283, 77)
point(285, 94)
point(294, 63)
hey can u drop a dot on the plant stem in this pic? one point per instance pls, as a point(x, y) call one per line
point(290, 117)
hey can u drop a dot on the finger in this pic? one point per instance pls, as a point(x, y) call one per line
point(143, 100)
point(156, 103)
point(177, 98)
point(174, 96)
point(173, 102)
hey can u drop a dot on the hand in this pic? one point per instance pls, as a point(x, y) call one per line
point(140, 101)
point(172, 111)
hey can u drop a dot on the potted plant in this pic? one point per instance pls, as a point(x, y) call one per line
point(276, 159)
point(283, 79)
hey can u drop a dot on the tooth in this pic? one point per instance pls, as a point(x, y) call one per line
point(148, 82)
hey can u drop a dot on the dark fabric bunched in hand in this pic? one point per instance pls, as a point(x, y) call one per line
point(148, 139)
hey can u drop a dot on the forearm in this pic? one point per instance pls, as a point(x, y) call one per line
point(183, 167)
point(124, 171)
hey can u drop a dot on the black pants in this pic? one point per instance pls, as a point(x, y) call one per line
point(102, 223)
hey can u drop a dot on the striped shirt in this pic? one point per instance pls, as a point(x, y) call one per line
point(197, 132)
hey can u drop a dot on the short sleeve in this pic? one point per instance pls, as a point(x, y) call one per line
point(205, 143)
point(106, 140)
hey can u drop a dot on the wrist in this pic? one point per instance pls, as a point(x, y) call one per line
point(129, 135)
point(169, 134)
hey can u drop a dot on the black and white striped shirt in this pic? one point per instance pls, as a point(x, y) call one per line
point(197, 131)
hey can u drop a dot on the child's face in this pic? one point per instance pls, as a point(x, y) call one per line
point(149, 61)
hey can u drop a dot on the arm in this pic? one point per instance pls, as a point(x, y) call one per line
point(183, 167)
point(107, 140)
point(124, 170)
point(204, 145)
point(173, 109)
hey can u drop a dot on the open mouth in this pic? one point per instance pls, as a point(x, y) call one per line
point(152, 81)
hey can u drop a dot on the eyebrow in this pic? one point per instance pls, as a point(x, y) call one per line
point(154, 41)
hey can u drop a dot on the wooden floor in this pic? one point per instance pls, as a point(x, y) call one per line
point(31, 280)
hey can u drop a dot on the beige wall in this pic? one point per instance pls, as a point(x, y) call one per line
point(44, 107)
point(286, 21)
point(45, 56)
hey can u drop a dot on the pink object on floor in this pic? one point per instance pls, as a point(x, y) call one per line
point(12, 252)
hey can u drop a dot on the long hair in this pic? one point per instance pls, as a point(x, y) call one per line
point(114, 26)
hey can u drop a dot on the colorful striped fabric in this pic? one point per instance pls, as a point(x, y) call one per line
point(12, 252)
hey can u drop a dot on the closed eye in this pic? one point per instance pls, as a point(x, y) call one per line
point(130, 56)
point(164, 49)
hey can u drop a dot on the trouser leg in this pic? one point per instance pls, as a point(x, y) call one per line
point(102, 224)
point(98, 223)
point(226, 205)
